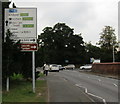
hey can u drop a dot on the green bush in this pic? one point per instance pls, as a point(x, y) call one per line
point(16, 76)
point(41, 75)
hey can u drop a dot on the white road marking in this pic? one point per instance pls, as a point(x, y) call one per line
point(88, 77)
point(86, 91)
point(115, 84)
point(65, 79)
point(99, 79)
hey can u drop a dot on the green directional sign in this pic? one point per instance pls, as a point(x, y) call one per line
point(28, 25)
point(27, 18)
point(24, 14)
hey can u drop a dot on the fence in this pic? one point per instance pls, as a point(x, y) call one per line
point(107, 68)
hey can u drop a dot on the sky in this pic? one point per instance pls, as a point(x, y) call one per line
point(88, 17)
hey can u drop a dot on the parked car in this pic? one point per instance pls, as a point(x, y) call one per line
point(86, 67)
point(61, 67)
point(70, 66)
point(54, 67)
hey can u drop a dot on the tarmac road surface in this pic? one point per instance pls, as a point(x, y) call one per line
point(73, 86)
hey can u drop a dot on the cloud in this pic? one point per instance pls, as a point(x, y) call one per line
point(76, 15)
point(85, 17)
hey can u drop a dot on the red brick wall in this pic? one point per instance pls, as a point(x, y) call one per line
point(106, 68)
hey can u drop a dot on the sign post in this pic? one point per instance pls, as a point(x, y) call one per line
point(22, 23)
point(33, 70)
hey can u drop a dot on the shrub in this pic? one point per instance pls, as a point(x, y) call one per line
point(16, 76)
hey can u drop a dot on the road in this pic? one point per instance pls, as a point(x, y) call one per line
point(74, 86)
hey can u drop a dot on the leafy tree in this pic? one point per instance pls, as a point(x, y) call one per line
point(106, 42)
point(107, 38)
point(118, 56)
point(75, 50)
point(15, 61)
point(26, 64)
point(61, 44)
point(92, 51)
point(10, 49)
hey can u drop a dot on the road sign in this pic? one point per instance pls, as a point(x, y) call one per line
point(66, 61)
point(92, 59)
point(22, 23)
point(29, 47)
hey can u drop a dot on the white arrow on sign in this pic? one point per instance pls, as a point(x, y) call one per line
point(33, 47)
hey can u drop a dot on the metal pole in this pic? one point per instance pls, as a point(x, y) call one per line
point(33, 70)
point(7, 83)
point(113, 54)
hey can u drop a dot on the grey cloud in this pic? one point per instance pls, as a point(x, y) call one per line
point(76, 14)
point(86, 17)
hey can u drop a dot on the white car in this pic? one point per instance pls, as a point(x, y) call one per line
point(54, 67)
point(70, 66)
point(88, 66)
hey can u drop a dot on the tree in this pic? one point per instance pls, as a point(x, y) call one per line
point(60, 44)
point(107, 38)
point(10, 49)
point(92, 51)
point(107, 42)
point(118, 56)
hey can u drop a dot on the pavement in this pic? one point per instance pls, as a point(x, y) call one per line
point(73, 86)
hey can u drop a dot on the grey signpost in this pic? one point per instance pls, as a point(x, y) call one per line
point(22, 23)
point(33, 70)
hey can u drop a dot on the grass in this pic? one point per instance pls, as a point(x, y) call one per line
point(22, 92)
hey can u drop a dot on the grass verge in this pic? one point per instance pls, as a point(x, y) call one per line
point(22, 92)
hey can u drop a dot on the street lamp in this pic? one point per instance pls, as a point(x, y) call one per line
point(113, 53)
point(66, 45)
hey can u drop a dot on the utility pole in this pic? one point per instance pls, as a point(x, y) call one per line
point(113, 54)
point(113, 51)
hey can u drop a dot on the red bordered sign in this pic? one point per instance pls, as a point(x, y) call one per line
point(29, 47)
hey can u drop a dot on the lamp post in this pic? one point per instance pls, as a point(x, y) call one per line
point(113, 54)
